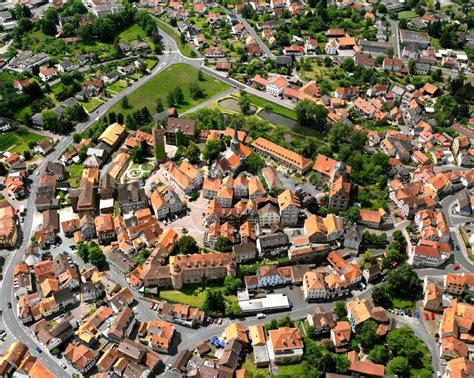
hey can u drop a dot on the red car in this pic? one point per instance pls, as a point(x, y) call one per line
point(151, 306)
point(432, 316)
point(427, 316)
point(456, 267)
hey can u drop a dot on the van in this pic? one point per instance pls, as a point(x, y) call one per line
point(261, 316)
point(22, 210)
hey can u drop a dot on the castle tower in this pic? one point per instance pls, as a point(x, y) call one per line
point(235, 143)
point(159, 143)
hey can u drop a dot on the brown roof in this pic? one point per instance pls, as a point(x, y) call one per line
point(285, 338)
point(288, 156)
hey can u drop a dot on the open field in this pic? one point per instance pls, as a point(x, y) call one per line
point(407, 14)
point(92, 104)
point(20, 139)
point(179, 75)
point(186, 295)
point(262, 103)
point(117, 86)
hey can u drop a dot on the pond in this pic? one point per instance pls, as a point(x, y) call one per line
point(278, 119)
point(233, 104)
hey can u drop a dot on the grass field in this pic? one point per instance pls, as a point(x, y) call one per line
point(260, 102)
point(407, 14)
point(179, 75)
point(20, 139)
point(75, 173)
point(132, 33)
point(117, 86)
point(92, 104)
point(186, 296)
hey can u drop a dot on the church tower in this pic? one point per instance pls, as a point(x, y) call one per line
point(235, 143)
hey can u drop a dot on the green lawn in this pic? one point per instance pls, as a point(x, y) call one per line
point(132, 33)
point(117, 86)
point(260, 102)
point(92, 104)
point(20, 138)
point(179, 75)
point(186, 295)
point(407, 14)
point(403, 304)
point(150, 63)
point(293, 370)
point(252, 369)
point(185, 49)
point(22, 113)
point(75, 173)
point(7, 77)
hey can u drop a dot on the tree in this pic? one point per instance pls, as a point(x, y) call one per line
point(381, 297)
point(341, 363)
point(403, 342)
point(86, 33)
point(244, 103)
point(214, 302)
point(138, 153)
point(211, 150)
point(232, 309)
point(379, 354)
point(195, 90)
point(352, 214)
point(96, 256)
point(340, 309)
point(159, 107)
point(398, 366)
point(50, 120)
point(310, 114)
point(253, 164)
point(223, 244)
point(186, 245)
point(411, 66)
point(366, 335)
point(404, 283)
point(192, 153)
point(200, 76)
point(232, 283)
point(348, 65)
point(126, 103)
point(48, 24)
point(178, 95)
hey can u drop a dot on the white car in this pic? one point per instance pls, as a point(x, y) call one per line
point(261, 316)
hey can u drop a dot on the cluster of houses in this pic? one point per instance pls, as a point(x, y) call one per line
point(284, 345)
point(50, 291)
point(456, 317)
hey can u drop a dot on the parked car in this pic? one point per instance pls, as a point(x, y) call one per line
point(456, 267)
point(9, 305)
point(433, 316)
point(38, 349)
point(427, 316)
point(151, 306)
point(63, 365)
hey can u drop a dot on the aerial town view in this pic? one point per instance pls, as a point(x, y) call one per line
point(237, 188)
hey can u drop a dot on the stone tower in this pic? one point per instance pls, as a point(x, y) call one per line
point(159, 143)
point(235, 143)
